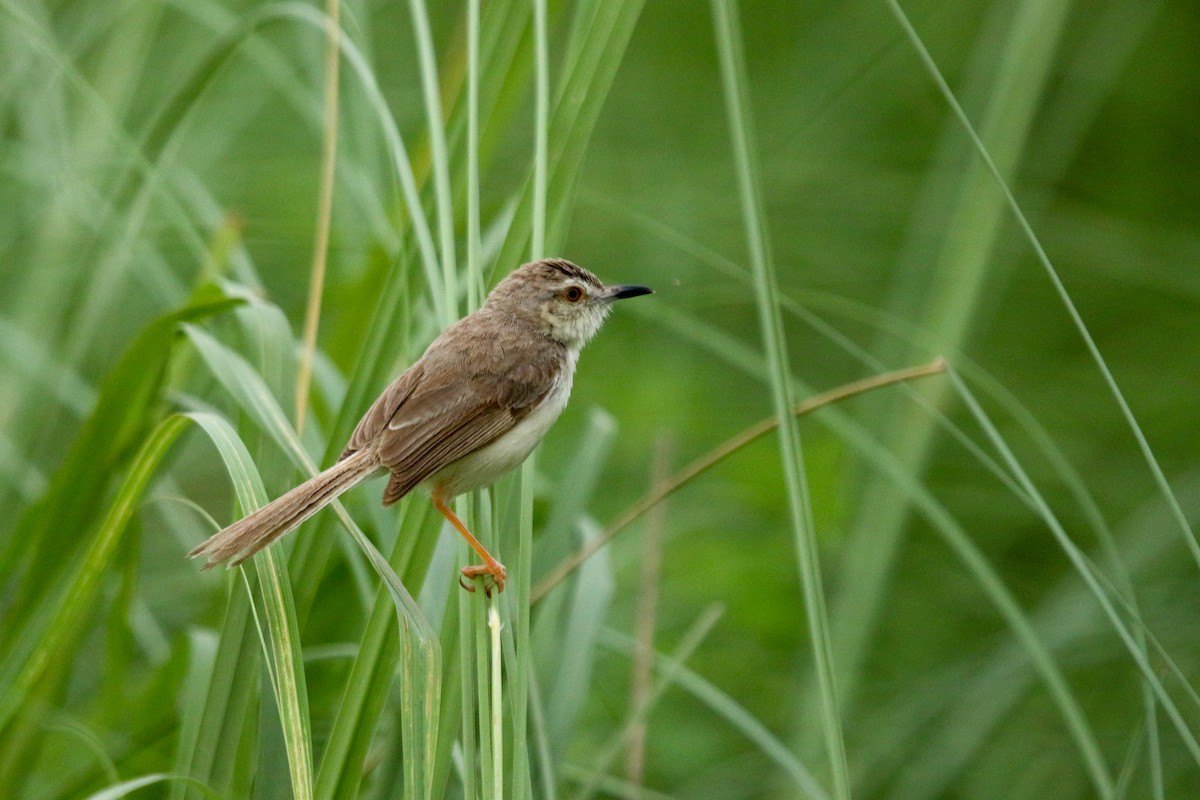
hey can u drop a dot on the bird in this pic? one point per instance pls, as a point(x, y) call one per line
point(469, 410)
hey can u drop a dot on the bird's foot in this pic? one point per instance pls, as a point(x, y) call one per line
point(493, 574)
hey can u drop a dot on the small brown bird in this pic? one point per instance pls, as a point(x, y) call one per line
point(471, 409)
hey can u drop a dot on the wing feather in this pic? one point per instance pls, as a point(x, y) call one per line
point(470, 388)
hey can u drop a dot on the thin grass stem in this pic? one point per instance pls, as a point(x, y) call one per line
point(1060, 288)
point(1085, 570)
point(645, 619)
point(483, 722)
point(475, 285)
point(441, 158)
point(329, 138)
point(537, 242)
point(736, 91)
point(470, 705)
point(691, 640)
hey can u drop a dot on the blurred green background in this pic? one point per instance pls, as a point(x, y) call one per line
point(146, 145)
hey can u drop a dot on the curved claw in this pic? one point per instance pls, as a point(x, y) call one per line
point(494, 571)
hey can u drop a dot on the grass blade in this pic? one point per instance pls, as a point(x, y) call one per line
point(587, 75)
point(1084, 568)
point(1060, 288)
point(329, 129)
point(126, 788)
point(690, 641)
point(1011, 67)
point(737, 716)
point(736, 91)
point(440, 157)
point(46, 642)
point(48, 531)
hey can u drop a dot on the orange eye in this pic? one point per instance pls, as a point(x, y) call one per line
point(573, 294)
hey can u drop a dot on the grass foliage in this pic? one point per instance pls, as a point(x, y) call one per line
point(228, 226)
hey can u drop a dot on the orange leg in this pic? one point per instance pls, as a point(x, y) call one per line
point(490, 565)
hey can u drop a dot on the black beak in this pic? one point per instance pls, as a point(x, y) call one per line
point(621, 292)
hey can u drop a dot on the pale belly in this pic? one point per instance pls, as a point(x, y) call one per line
point(489, 463)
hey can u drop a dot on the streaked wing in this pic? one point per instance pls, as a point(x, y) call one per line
point(384, 407)
point(441, 441)
point(433, 416)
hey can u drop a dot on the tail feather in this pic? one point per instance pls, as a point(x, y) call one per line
point(247, 536)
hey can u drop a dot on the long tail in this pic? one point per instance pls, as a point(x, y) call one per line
point(244, 538)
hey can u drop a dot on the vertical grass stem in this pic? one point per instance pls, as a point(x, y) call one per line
point(329, 137)
point(736, 91)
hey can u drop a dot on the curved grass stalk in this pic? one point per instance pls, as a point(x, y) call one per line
point(1123, 590)
point(126, 788)
point(714, 457)
point(989, 581)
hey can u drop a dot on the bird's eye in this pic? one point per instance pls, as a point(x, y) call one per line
point(573, 294)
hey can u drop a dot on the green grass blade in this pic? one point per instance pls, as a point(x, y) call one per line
point(520, 628)
point(49, 640)
point(1082, 566)
point(440, 157)
point(478, 647)
point(390, 130)
point(469, 734)
point(1001, 597)
point(736, 92)
point(221, 698)
point(419, 654)
point(691, 640)
point(587, 76)
point(722, 704)
point(126, 788)
point(521, 673)
point(893, 467)
point(250, 391)
point(370, 682)
point(566, 642)
point(945, 270)
point(1060, 288)
point(495, 686)
point(288, 678)
point(283, 645)
point(541, 130)
point(475, 288)
point(48, 531)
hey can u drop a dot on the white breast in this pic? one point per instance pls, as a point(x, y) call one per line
point(488, 464)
